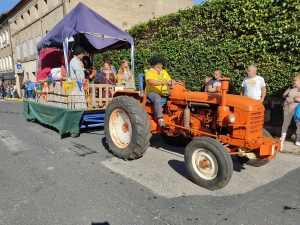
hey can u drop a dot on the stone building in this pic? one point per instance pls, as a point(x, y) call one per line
point(6, 64)
point(30, 20)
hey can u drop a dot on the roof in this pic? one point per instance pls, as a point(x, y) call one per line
point(88, 28)
point(3, 16)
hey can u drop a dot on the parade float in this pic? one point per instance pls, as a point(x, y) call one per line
point(71, 104)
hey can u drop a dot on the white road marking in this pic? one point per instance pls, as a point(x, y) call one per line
point(165, 174)
point(12, 144)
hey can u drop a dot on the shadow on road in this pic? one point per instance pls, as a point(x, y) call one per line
point(63, 136)
point(104, 223)
point(179, 167)
point(237, 165)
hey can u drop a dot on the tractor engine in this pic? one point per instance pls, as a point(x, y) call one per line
point(198, 118)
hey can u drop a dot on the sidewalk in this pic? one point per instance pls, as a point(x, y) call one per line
point(290, 147)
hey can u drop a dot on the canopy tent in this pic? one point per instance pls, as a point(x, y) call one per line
point(91, 31)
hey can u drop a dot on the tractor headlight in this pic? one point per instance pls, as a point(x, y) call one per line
point(231, 118)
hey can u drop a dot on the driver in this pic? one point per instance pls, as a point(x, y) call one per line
point(157, 80)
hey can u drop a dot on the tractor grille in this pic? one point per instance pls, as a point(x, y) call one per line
point(256, 122)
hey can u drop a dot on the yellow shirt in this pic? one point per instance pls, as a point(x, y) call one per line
point(152, 74)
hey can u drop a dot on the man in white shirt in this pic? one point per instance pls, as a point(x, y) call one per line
point(76, 65)
point(254, 86)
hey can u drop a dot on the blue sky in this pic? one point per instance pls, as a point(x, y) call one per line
point(9, 4)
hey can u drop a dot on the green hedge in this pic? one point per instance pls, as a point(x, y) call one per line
point(225, 34)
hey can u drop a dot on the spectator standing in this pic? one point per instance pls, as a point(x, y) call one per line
point(8, 91)
point(292, 99)
point(2, 89)
point(215, 81)
point(23, 87)
point(254, 86)
point(30, 90)
point(14, 91)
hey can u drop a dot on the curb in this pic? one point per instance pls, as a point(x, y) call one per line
point(17, 99)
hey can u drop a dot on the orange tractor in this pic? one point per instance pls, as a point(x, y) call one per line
point(214, 126)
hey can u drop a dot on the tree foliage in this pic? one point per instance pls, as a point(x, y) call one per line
point(225, 34)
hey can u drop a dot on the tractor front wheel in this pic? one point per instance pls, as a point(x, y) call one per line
point(208, 163)
point(127, 128)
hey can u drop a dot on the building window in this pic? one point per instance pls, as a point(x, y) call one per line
point(36, 6)
point(4, 66)
point(6, 62)
point(4, 39)
point(7, 37)
point(10, 62)
point(45, 1)
point(24, 49)
point(1, 41)
point(38, 39)
point(28, 12)
point(31, 50)
point(18, 52)
point(1, 65)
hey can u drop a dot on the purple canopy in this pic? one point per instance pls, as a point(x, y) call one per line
point(91, 31)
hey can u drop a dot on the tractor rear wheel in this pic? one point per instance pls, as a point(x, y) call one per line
point(208, 163)
point(127, 128)
point(250, 158)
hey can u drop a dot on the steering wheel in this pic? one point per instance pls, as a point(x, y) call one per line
point(173, 83)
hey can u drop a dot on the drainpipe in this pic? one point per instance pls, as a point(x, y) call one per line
point(64, 8)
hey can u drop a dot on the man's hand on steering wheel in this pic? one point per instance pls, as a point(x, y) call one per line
point(172, 82)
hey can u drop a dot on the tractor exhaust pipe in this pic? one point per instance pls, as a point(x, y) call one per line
point(186, 116)
point(223, 110)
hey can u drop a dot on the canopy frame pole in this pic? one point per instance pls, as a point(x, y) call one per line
point(66, 56)
point(132, 61)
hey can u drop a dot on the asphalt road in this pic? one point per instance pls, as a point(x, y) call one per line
point(49, 179)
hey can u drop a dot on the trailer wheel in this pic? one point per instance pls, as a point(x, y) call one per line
point(208, 163)
point(178, 140)
point(250, 158)
point(127, 128)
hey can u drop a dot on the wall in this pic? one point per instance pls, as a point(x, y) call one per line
point(6, 65)
point(131, 12)
point(29, 25)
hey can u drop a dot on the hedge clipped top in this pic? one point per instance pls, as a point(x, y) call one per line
point(226, 34)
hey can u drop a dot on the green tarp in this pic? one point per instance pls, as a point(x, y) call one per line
point(65, 120)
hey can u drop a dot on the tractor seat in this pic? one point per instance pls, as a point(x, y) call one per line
point(142, 86)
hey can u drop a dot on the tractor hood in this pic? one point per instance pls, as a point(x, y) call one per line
point(180, 95)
